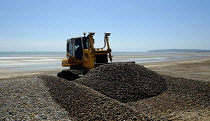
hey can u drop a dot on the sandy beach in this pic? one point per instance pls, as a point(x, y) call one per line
point(25, 96)
point(197, 69)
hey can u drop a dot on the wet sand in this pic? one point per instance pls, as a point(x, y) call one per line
point(198, 69)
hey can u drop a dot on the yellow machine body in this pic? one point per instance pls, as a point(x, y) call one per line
point(81, 54)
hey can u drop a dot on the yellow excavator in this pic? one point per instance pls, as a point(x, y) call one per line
point(81, 55)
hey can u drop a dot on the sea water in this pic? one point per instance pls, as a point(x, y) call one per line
point(30, 60)
point(147, 57)
point(52, 60)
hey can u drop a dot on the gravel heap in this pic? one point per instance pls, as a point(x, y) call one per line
point(51, 98)
point(124, 82)
point(189, 93)
point(84, 103)
point(28, 99)
point(185, 99)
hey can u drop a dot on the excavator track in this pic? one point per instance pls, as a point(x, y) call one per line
point(69, 74)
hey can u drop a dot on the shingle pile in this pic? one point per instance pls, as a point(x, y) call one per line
point(114, 92)
point(124, 82)
point(84, 103)
point(185, 99)
point(99, 95)
point(28, 99)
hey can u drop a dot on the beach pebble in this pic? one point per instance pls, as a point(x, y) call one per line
point(85, 103)
point(124, 82)
point(105, 93)
point(27, 98)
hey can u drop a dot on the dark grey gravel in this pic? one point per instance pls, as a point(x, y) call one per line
point(124, 82)
point(28, 99)
point(118, 91)
point(84, 103)
point(185, 99)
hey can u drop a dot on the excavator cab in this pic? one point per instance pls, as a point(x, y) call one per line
point(75, 47)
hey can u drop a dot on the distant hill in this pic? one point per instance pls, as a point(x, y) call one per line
point(179, 50)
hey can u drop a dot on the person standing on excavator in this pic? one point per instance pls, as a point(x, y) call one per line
point(78, 52)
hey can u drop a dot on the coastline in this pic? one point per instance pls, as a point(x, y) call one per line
point(178, 68)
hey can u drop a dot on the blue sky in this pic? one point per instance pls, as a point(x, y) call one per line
point(136, 25)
